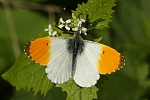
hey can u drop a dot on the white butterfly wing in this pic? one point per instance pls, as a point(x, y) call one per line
point(86, 73)
point(59, 68)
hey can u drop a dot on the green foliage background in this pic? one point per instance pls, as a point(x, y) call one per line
point(129, 33)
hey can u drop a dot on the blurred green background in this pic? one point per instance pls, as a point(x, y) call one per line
point(129, 33)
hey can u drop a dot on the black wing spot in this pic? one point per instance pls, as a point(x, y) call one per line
point(47, 44)
point(103, 52)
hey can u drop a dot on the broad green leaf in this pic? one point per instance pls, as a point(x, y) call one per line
point(75, 92)
point(99, 12)
point(28, 95)
point(25, 73)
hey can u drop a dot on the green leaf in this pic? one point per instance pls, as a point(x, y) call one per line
point(98, 39)
point(25, 73)
point(28, 95)
point(99, 12)
point(75, 92)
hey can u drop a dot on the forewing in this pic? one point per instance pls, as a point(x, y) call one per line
point(51, 52)
point(39, 50)
point(96, 59)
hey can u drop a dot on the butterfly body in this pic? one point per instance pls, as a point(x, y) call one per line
point(75, 47)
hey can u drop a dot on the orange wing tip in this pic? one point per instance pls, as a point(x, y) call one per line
point(110, 60)
point(26, 49)
point(41, 54)
point(122, 63)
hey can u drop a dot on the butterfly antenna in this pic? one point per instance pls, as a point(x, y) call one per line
point(66, 12)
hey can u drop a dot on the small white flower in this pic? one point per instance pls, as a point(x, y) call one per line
point(50, 31)
point(82, 20)
point(79, 27)
point(49, 28)
point(79, 24)
point(64, 24)
point(54, 33)
point(75, 29)
point(84, 30)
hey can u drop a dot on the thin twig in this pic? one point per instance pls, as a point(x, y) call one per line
point(49, 9)
point(11, 27)
point(36, 6)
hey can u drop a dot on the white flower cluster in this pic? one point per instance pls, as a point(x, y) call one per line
point(79, 27)
point(50, 31)
point(66, 24)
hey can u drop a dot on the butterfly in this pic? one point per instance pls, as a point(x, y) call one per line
point(74, 57)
